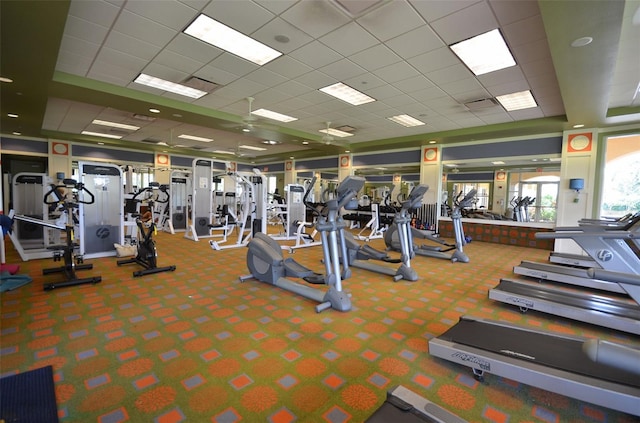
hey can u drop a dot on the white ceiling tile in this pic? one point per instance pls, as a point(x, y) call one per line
point(375, 57)
point(195, 4)
point(537, 68)
point(266, 77)
point(276, 6)
point(271, 96)
point(466, 23)
point(161, 71)
point(511, 74)
point(399, 101)
point(385, 91)
point(213, 101)
point(315, 97)
point(73, 64)
point(434, 60)
point(512, 11)
point(97, 11)
point(86, 30)
point(414, 83)
point(535, 50)
point(79, 47)
point(525, 31)
point(177, 61)
point(436, 9)
point(288, 67)
point(112, 73)
point(291, 106)
point(415, 42)
point(143, 29)
point(349, 39)
point(364, 82)
point(450, 74)
point(532, 113)
point(428, 94)
point(216, 75)
point(391, 20)
point(396, 72)
point(195, 49)
point(342, 69)
point(469, 86)
point(508, 88)
point(279, 27)
point(316, 18)
point(293, 88)
point(243, 16)
point(315, 80)
point(171, 14)
point(315, 54)
point(131, 45)
point(119, 59)
point(246, 88)
point(233, 64)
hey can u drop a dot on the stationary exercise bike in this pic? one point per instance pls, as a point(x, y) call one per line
point(147, 255)
point(67, 252)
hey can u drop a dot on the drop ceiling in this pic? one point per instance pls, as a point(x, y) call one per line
point(75, 61)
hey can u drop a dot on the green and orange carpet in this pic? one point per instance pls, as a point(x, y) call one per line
point(197, 345)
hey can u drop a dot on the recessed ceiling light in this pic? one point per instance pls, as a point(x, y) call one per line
point(335, 132)
point(347, 151)
point(498, 162)
point(251, 147)
point(346, 93)
point(16, 133)
point(178, 115)
point(484, 53)
point(271, 142)
point(194, 138)
point(12, 115)
point(579, 125)
point(172, 87)
point(4, 79)
point(100, 134)
point(115, 125)
point(291, 157)
point(517, 101)
point(406, 120)
point(154, 110)
point(215, 33)
point(432, 141)
point(100, 143)
point(273, 115)
point(581, 42)
point(305, 142)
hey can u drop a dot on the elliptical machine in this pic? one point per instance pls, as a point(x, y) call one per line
point(67, 252)
point(442, 250)
point(359, 255)
point(266, 263)
point(147, 255)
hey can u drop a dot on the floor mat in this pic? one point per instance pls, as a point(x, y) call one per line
point(29, 397)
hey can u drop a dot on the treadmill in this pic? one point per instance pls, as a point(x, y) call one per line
point(558, 363)
point(602, 309)
point(403, 405)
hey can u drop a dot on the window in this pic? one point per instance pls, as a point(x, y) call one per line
point(541, 187)
point(621, 181)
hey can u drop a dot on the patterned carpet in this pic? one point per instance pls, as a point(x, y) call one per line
point(197, 345)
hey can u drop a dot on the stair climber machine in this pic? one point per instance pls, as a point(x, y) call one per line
point(443, 250)
point(360, 256)
point(596, 371)
point(266, 263)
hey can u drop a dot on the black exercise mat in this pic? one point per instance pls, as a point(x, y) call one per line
point(29, 397)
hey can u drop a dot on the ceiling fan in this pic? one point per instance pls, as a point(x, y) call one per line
point(250, 122)
point(329, 139)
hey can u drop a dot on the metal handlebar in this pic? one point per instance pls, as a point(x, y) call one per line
point(69, 183)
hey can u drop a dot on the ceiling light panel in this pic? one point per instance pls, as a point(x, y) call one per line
point(217, 34)
point(194, 138)
point(273, 115)
point(346, 93)
point(172, 87)
point(251, 147)
point(335, 132)
point(115, 125)
point(517, 101)
point(484, 53)
point(100, 134)
point(406, 120)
